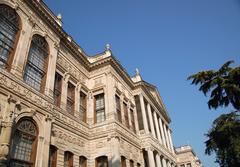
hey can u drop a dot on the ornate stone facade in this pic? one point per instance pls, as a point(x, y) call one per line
point(77, 119)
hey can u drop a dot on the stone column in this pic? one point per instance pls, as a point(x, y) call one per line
point(157, 127)
point(6, 130)
point(23, 45)
point(116, 159)
point(145, 123)
point(136, 120)
point(50, 73)
point(151, 120)
point(157, 157)
point(170, 140)
point(151, 161)
point(166, 135)
point(77, 100)
point(162, 132)
point(44, 143)
point(164, 162)
point(64, 91)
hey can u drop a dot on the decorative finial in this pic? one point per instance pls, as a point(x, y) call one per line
point(107, 46)
point(137, 71)
point(59, 16)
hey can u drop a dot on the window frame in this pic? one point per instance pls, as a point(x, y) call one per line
point(99, 110)
point(32, 68)
point(70, 104)
point(118, 108)
point(18, 27)
point(83, 106)
point(57, 90)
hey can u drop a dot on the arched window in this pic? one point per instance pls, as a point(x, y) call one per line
point(82, 161)
point(9, 27)
point(123, 161)
point(24, 144)
point(36, 66)
point(52, 161)
point(101, 161)
point(68, 159)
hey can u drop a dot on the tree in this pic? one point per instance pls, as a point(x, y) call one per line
point(224, 136)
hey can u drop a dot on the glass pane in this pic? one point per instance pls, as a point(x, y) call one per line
point(8, 31)
point(35, 68)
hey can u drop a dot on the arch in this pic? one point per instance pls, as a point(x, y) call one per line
point(101, 161)
point(52, 160)
point(10, 26)
point(82, 161)
point(123, 161)
point(68, 159)
point(131, 163)
point(24, 143)
point(37, 62)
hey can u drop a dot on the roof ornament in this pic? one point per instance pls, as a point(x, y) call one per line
point(59, 19)
point(59, 16)
point(107, 47)
point(137, 71)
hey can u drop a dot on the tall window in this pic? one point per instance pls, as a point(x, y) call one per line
point(99, 108)
point(70, 98)
point(131, 163)
point(9, 27)
point(36, 67)
point(83, 107)
point(123, 161)
point(118, 108)
point(125, 109)
point(52, 156)
point(82, 161)
point(102, 161)
point(133, 121)
point(57, 89)
point(24, 144)
point(68, 159)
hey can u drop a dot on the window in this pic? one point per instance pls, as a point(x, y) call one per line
point(125, 109)
point(83, 107)
point(23, 151)
point(52, 162)
point(9, 28)
point(68, 159)
point(102, 161)
point(70, 98)
point(131, 163)
point(36, 66)
point(57, 89)
point(123, 161)
point(138, 165)
point(132, 121)
point(99, 108)
point(189, 165)
point(118, 108)
point(82, 161)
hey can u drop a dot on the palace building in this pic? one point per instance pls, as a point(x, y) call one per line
point(60, 107)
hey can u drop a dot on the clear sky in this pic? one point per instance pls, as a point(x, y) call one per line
point(167, 40)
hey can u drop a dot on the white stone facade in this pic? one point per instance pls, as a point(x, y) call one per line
point(137, 134)
point(186, 157)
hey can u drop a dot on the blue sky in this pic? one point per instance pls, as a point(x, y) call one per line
point(167, 41)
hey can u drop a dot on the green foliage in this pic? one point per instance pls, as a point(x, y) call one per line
point(223, 139)
point(224, 85)
point(224, 136)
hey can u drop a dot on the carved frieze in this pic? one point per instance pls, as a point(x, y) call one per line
point(67, 138)
point(73, 71)
point(25, 93)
